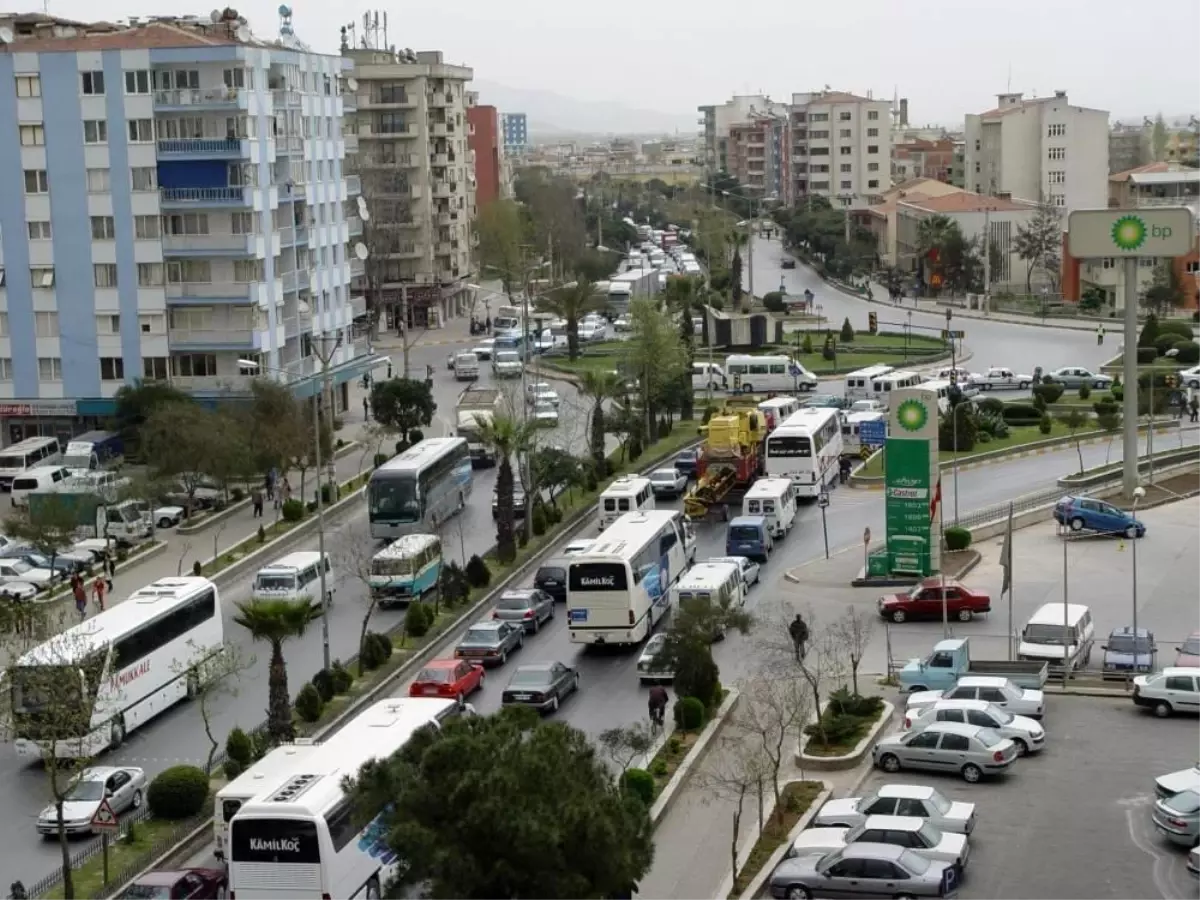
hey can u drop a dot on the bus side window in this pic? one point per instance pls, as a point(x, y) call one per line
point(667, 541)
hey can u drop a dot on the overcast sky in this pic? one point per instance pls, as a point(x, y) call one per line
point(947, 56)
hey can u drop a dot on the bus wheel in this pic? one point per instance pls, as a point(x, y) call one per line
point(116, 735)
point(372, 892)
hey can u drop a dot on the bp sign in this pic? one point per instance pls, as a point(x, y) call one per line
point(910, 482)
point(1165, 231)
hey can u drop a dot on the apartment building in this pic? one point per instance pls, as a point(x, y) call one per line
point(841, 147)
point(1040, 149)
point(172, 209)
point(880, 219)
point(923, 158)
point(483, 140)
point(514, 128)
point(1128, 147)
point(757, 154)
point(418, 179)
point(717, 119)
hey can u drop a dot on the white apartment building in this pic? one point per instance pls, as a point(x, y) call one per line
point(841, 148)
point(1041, 149)
point(715, 121)
point(409, 135)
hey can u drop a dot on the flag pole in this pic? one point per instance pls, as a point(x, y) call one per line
point(1008, 536)
point(941, 563)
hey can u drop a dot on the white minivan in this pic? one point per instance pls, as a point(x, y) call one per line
point(629, 493)
point(1059, 631)
point(295, 577)
point(718, 583)
point(775, 500)
point(42, 478)
point(708, 375)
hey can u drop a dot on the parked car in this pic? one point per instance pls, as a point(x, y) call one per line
point(862, 870)
point(1190, 378)
point(122, 786)
point(490, 642)
point(999, 378)
point(995, 690)
point(527, 608)
point(1178, 818)
point(686, 461)
point(1074, 377)
point(1175, 689)
point(163, 516)
point(918, 800)
point(177, 884)
point(1023, 731)
point(62, 567)
point(903, 831)
point(18, 591)
point(648, 668)
point(1193, 862)
point(552, 578)
point(452, 678)
point(1173, 782)
point(668, 482)
point(204, 494)
point(1078, 513)
point(750, 569)
point(19, 570)
point(824, 401)
point(1188, 653)
point(483, 349)
point(543, 686)
point(969, 750)
point(927, 599)
point(1123, 654)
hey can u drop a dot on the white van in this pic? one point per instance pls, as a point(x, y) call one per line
point(629, 493)
point(777, 409)
point(27, 454)
point(851, 430)
point(718, 583)
point(767, 373)
point(858, 384)
point(883, 385)
point(942, 386)
point(1053, 626)
point(42, 478)
point(708, 375)
point(775, 500)
point(295, 577)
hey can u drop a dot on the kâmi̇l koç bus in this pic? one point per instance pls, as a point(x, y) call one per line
point(85, 689)
point(406, 569)
point(620, 587)
point(807, 448)
point(305, 839)
point(264, 776)
point(419, 489)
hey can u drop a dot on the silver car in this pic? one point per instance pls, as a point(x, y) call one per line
point(902, 831)
point(1075, 377)
point(967, 750)
point(527, 608)
point(1178, 818)
point(863, 870)
point(490, 642)
point(919, 800)
point(123, 787)
point(1027, 734)
point(649, 669)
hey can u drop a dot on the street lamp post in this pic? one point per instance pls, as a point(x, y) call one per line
point(1138, 493)
point(953, 410)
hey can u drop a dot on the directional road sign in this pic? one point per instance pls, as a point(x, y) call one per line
point(823, 499)
point(873, 433)
point(104, 819)
point(957, 335)
point(794, 371)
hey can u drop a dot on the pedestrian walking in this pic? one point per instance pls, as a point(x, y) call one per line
point(269, 485)
point(286, 490)
point(1099, 335)
point(389, 370)
point(798, 631)
point(366, 410)
point(110, 565)
point(98, 589)
point(256, 500)
point(1194, 408)
point(80, 597)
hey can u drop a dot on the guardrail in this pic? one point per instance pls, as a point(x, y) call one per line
point(1104, 474)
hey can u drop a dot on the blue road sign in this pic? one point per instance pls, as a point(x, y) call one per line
point(794, 371)
point(873, 433)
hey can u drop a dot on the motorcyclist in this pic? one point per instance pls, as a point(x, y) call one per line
point(658, 704)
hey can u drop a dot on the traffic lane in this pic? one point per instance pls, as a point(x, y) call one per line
point(1074, 820)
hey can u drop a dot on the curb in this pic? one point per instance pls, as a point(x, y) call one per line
point(672, 789)
point(854, 757)
point(754, 888)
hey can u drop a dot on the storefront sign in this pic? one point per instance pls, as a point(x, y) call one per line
point(31, 408)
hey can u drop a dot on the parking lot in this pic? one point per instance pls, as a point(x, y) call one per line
point(1074, 821)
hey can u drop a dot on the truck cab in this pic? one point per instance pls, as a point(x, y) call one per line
point(951, 660)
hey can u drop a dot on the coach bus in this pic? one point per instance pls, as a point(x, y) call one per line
point(807, 448)
point(419, 489)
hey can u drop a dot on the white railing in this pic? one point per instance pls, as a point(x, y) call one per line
point(209, 242)
point(222, 96)
point(226, 290)
point(239, 337)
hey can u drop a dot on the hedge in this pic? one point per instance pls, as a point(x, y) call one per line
point(178, 792)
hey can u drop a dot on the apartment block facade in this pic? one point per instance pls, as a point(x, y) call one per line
point(483, 139)
point(841, 147)
point(757, 154)
point(514, 128)
point(173, 208)
point(1041, 149)
point(716, 120)
point(410, 128)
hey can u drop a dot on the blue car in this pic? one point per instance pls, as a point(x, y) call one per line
point(1078, 513)
point(1124, 655)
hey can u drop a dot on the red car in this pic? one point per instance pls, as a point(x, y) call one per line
point(447, 678)
point(924, 601)
point(179, 884)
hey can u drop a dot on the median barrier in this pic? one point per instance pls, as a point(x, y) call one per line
point(1102, 474)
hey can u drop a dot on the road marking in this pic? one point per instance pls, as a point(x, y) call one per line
point(1163, 861)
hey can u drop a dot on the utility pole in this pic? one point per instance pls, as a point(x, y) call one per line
point(750, 250)
point(404, 330)
point(987, 262)
point(324, 347)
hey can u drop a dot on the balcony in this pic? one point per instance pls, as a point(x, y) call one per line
point(407, 251)
point(445, 248)
point(288, 144)
point(439, 159)
point(301, 234)
point(226, 292)
point(206, 197)
point(211, 339)
point(281, 99)
point(293, 281)
point(213, 384)
point(354, 226)
point(391, 132)
point(203, 148)
point(350, 142)
point(387, 101)
point(441, 129)
point(209, 244)
point(216, 98)
point(447, 218)
point(353, 185)
point(287, 236)
point(438, 99)
point(357, 268)
point(349, 102)
point(441, 190)
point(358, 306)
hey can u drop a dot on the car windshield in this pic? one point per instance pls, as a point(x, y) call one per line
point(1003, 717)
point(1184, 802)
point(1125, 643)
point(939, 803)
point(19, 565)
point(929, 835)
point(275, 582)
point(507, 356)
point(663, 475)
point(480, 635)
point(435, 676)
point(145, 892)
point(1191, 646)
point(86, 790)
point(1046, 634)
point(915, 864)
point(989, 737)
point(530, 678)
point(514, 603)
point(655, 644)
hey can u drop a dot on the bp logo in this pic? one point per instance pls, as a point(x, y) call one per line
point(1129, 232)
point(911, 415)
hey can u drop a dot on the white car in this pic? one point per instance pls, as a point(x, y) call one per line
point(483, 350)
point(541, 393)
point(1190, 378)
point(1167, 786)
point(917, 834)
point(507, 364)
point(918, 800)
point(668, 482)
point(18, 591)
point(1023, 731)
point(647, 670)
point(545, 415)
point(623, 323)
point(122, 786)
point(19, 570)
point(750, 569)
point(1176, 689)
point(1001, 379)
point(995, 690)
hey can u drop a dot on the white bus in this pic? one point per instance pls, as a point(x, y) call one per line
point(419, 489)
point(883, 385)
point(629, 493)
point(717, 582)
point(619, 589)
point(34, 451)
point(775, 500)
point(750, 374)
point(806, 448)
point(776, 409)
point(295, 577)
point(858, 384)
point(117, 670)
point(304, 838)
point(264, 776)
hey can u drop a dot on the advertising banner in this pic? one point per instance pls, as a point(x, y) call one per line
point(911, 474)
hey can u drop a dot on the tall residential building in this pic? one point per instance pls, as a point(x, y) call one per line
point(514, 128)
point(841, 148)
point(483, 137)
point(1042, 149)
point(716, 121)
point(757, 154)
point(172, 205)
point(411, 135)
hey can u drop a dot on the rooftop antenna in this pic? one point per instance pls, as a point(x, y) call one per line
point(1008, 86)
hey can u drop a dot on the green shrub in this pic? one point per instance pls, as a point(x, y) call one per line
point(689, 713)
point(310, 506)
point(384, 643)
point(262, 535)
point(843, 702)
point(983, 438)
point(1149, 332)
point(323, 682)
point(237, 495)
point(417, 619)
point(415, 436)
point(1118, 392)
point(806, 345)
point(847, 335)
point(1046, 424)
point(640, 784)
point(991, 405)
point(478, 573)
point(1146, 355)
point(658, 768)
point(957, 538)
point(379, 459)
point(1039, 403)
point(539, 520)
point(371, 654)
point(834, 729)
point(343, 679)
point(1084, 392)
point(232, 769)
point(1180, 328)
point(991, 425)
point(553, 515)
point(178, 793)
point(1165, 342)
point(455, 588)
point(1018, 414)
point(197, 569)
point(292, 510)
point(774, 302)
point(239, 747)
point(1188, 352)
point(1048, 391)
point(309, 703)
point(674, 744)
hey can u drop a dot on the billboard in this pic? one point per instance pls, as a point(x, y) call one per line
point(910, 482)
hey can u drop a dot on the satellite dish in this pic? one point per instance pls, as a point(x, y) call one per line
point(362, 204)
point(242, 34)
point(364, 214)
point(360, 250)
point(352, 83)
point(214, 16)
point(6, 35)
point(285, 10)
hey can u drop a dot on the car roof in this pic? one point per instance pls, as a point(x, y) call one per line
point(957, 704)
point(899, 823)
point(522, 593)
point(98, 773)
point(982, 681)
point(1127, 631)
point(936, 582)
point(868, 850)
point(906, 791)
point(534, 667)
point(956, 728)
point(1180, 670)
point(488, 623)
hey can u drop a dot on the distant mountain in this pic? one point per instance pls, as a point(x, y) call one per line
point(553, 114)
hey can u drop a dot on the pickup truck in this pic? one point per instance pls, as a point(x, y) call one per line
point(951, 660)
point(1000, 379)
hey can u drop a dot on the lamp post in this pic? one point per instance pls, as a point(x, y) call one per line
point(953, 410)
point(907, 332)
point(1138, 493)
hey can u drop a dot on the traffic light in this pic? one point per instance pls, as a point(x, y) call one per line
point(873, 322)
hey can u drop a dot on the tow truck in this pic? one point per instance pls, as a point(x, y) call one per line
point(730, 460)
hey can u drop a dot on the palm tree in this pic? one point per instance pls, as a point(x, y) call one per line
point(571, 302)
point(275, 622)
point(508, 436)
point(933, 232)
point(598, 386)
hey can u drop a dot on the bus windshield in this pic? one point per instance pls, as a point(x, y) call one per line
point(393, 565)
point(395, 498)
point(789, 446)
point(272, 582)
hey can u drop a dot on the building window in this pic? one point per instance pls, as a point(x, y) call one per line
point(819, 135)
point(1108, 263)
point(112, 368)
point(1058, 199)
point(145, 178)
point(246, 271)
point(978, 167)
point(39, 230)
point(873, 115)
point(235, 78)
point(872, 148)
point(1191, 267)
point(105, 275)
point(819, 117)
point(6, 369)
point(189, 271)
point(154, 368)
point(45, 324)
point(108, 324)
point(844, 133)
point(33, 136)
point(41, 276)
point(1147, 262)
point(1056, 177)
point(872, 132)
point(146, 228)
point(3, 324)
point(92, 82)
point(844, 117)
point(872, 167)
point(846, 167)
point(242, 223)
point(29, 86)
point(97, 181)
point(1057, 153)
point(104, 228)
point(194, 365)
point(185, 223)
point(845, 151)
point(95, 131)
point(137, 81)
point(150, 274)
point(873, 183)
point(49, 368)
point(36, 181)
point(180, 79)
point(1058, 129)
point(846, 185)
point(152, 323)
point(141, 131)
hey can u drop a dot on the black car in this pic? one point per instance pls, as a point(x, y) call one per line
point(552, 579)
point(542, 685)
point(687, 462)
point(518, 503)
point(787, 263)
